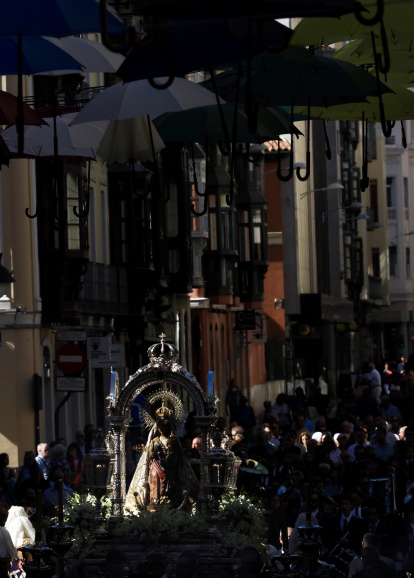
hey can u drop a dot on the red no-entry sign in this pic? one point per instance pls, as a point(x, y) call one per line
point(70, 359)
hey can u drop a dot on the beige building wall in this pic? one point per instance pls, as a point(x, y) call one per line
point(20, 351)
point(307, 278)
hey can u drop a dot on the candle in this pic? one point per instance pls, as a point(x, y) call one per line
point(210, 383)
point(39, 516)
point(60, 500)
point(113, 384)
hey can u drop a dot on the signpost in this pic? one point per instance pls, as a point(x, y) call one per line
point(70, 359)
point(70, 384)
point(246, 319)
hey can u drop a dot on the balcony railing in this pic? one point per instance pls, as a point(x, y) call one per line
point(104, 290)
point(392, 213)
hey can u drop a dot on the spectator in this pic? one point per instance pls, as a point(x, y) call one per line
point(221, 425)
point(386, 378)
point(383, 449)
point(271, 446)
point(282, 410)
point(58, 459)
point(407, 382)
point(275, 437)
point(303, 422)
point(7, 548)
point(395, 423)
point(7, 480)
point(42, 459)
point(28, 474)
point(375, 383)
point(401, 365)
point(267, 415)
point(388, 409)
point(361, 437)
point(80, 441)
point(303, 439)
point(51, 496)
point(244, 416)
point(74, 458)
point(232, 399)
point(89, 431)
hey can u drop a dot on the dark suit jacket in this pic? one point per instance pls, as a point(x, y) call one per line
point(353, 534)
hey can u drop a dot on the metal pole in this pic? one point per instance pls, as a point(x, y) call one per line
point(64, 400)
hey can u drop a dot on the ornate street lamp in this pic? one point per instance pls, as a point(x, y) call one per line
point(219, 468)
point(97, 468)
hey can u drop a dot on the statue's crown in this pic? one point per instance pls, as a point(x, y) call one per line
point(164, 412)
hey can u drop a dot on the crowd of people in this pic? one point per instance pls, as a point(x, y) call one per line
point(31, 491)
point(347, 462)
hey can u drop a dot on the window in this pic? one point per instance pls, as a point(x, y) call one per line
point(72, 200)
point(406, 201)
point(76, 187)
point(407, 263)
point(375, 262)
point(244, 235)
point(131, 222)
point(348, 257)
point(373, 192)
point(372, 142)
point(392, 252)
point(390, 192)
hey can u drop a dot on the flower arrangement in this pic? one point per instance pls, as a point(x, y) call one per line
point(241, 522)
point(82, 515)
point(163, 526)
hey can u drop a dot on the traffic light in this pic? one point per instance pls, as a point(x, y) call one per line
point(401, 341)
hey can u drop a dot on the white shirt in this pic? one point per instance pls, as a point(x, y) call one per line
point(343, 518)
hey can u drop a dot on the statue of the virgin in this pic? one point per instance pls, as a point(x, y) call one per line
point(163, 474)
